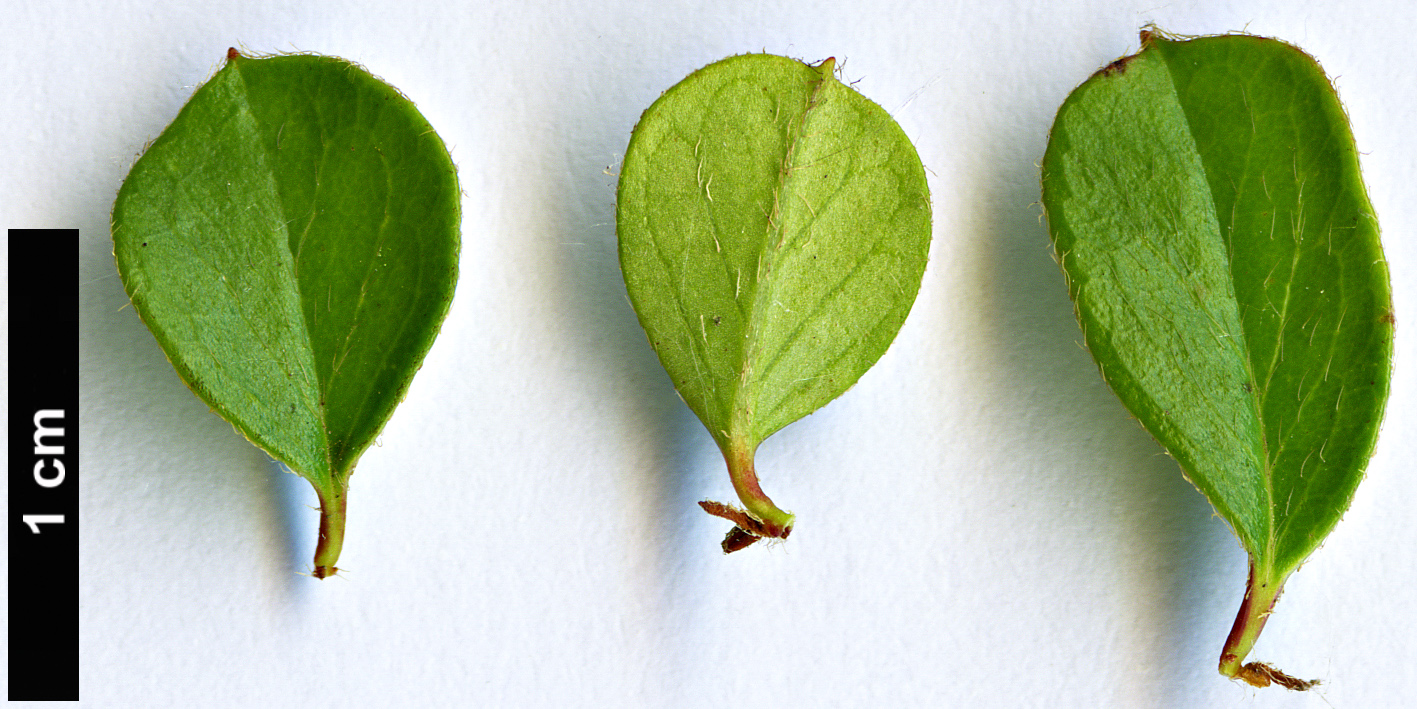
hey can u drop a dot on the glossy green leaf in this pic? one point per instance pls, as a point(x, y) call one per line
point(292, 242)
point(773, 230)
point(1205, 203)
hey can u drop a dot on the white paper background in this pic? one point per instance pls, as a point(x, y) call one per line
point(980, 522)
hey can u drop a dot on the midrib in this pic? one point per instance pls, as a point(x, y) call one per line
point(315, 393)
point(741, 418)
point(1255, 394)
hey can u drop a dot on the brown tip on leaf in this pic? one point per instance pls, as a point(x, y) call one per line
point(1117, 67)
point(738, 539)
point(1147, 34)
point(231, 53)
point(1259, 674)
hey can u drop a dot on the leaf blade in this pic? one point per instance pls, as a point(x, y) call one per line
point(773, 228)
point(352, 298)
point(1287, 232)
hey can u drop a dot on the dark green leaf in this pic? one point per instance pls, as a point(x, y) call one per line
point(773, 230)
point(291, 240)
point(1205, 202)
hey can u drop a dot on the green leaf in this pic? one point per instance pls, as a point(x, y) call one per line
point(292, 242)
point(1205, 203)
point(773, 230)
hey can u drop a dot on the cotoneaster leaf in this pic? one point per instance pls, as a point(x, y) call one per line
point(1205, 202)
point(773, 229)
point(292, 241)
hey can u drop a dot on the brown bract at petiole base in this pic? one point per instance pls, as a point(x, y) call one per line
point(747, 530)
point(1259, 674)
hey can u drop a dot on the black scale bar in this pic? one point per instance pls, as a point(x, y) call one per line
point(44, 464)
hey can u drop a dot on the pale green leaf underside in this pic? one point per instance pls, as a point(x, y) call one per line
point(291, 240)
point(1206, 206)
point(773, 230)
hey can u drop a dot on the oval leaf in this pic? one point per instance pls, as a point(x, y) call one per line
point(292, 241)
point(773, 228)
point(1205, 203)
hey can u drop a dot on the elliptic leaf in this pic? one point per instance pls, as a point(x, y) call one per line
point(1206, 206)
point(773, 231)
point(292, 242)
